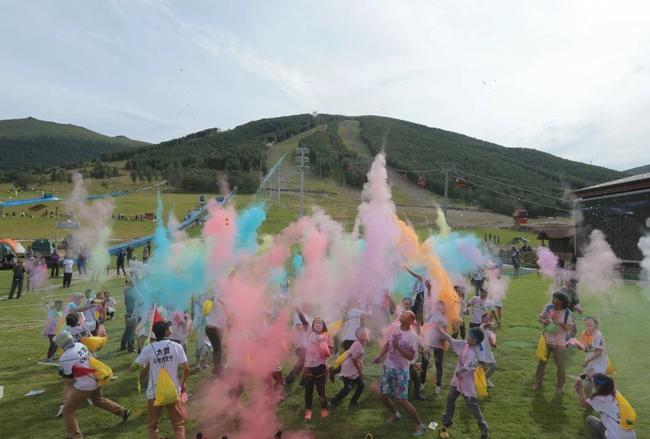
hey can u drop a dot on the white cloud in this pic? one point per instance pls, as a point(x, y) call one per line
point(570, 78)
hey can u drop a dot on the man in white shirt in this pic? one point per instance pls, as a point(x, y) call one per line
point(163, 354)
point(68, 263)
point(74, 366)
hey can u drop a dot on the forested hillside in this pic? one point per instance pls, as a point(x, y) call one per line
point(32, 143)
point(494, 176)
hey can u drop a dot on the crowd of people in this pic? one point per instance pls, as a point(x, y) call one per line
point(416, 332)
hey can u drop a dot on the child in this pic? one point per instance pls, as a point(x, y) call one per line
point(181, 324)
point(459, 328)
point(352, 370)
point(398, 352)
point(463, 381)
point(558, 323)
point(485, 354)
point(479, 306)
point(434, 343)
point(110, 305)
point(77, 329)
point(53, 316)
point(592, 343)
point(315, 374)
point(603, 401)
point(300, 328)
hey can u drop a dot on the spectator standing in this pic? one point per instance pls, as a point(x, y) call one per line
point(54, 263)
point(17, 280)
point(119, 260)
point(68, 264)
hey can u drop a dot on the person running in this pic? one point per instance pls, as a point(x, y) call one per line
point(463, 381)
point(485, 354)
point(68, 264)
point(163, 354)
point(397, 353)
point(53, 316)
point(317, 350)
point(478, 307)
point(558, 324)
point(17, 280)
point(74, 366)
point(603, 401)
point(352, 370)
point(478, 278)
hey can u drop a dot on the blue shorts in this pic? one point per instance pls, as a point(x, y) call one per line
point(395, 383)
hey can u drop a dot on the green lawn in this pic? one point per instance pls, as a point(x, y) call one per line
point(512, 410)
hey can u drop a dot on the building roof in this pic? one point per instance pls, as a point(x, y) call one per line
point(627, 184)
point(557, 232)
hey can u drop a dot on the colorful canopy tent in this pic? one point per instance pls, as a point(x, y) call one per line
point(16, 246)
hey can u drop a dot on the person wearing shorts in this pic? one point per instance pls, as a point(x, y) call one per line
point(400, 348)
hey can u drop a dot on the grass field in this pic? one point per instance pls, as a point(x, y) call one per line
point(512, 410)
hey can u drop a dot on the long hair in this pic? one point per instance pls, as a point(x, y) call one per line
point(324, 325)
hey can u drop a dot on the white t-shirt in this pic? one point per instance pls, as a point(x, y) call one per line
point(67, 265)
point(352, 322)
point(433, 337)
point(299, 332)
point(610, 416)
point(485, 353)
point(407, 340)
point(180, 327)
point(81, 330)
point(89, 314)
point(216, 317)
point(599, 365)
point(78, 354)
point(161, 354)
point(479, 307)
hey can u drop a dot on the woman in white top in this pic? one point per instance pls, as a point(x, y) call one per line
point(608, 426)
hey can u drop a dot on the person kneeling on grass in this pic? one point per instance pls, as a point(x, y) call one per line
point(604, 401)
point(463, 382)
point(163, 354)
point(352, 370)
point(400, 348)
point(74, 366)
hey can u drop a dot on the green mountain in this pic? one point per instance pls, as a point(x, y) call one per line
point(341, 149)
point(638, 170)
point(33, 143)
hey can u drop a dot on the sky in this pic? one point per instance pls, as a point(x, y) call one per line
point(571, 78)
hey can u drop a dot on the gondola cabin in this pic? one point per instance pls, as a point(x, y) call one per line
point(520, 216)
point(460, 183)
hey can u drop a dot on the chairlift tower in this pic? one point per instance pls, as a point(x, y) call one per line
point(447, 169)
point(302, 161)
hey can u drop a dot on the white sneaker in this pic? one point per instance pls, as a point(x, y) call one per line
point(437, 391)
point(89, 401)
point(422, 387)
point(490, 384)
point(60, 412)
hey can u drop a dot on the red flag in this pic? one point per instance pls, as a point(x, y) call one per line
point(156, 317)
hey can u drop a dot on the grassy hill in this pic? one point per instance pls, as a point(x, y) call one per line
point(33, 143)
point(341, 148)
point(638, 170)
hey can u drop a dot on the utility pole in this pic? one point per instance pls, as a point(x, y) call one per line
point(302, 160)
point(447, 168)
point(279, 181)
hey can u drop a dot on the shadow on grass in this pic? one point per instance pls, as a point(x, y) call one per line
point(549, 415)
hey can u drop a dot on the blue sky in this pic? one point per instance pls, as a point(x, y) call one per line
point(569, 78)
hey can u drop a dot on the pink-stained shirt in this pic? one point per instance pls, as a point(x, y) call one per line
point(348, 369)
point(558, 336)
point(467, 359)
point(313, 351)
point(52, 319)
point(407, 340)
point(432, 336)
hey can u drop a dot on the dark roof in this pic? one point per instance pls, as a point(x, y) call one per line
point(627, 184)
point(557, 232)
